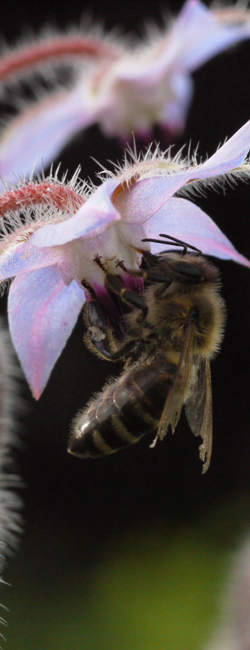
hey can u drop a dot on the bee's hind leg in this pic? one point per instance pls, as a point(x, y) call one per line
point(115, 284)
point(101, 336)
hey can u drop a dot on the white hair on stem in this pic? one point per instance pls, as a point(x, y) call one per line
point(10, 500)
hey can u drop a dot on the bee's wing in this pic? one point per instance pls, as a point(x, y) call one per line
point(176, 396)
point(198, 410)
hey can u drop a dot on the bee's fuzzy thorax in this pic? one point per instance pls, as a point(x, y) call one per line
point(169, 312)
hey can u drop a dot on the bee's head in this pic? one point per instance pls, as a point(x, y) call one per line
point(186, 271)
point(185, 267)
point(189, 269)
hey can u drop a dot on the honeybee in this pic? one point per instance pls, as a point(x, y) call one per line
point(166, 339)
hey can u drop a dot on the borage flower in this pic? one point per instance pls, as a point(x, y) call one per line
point(52, 247)
point(121, 88)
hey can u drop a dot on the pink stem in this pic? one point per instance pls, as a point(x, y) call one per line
point(46, 192)
point(58, 47)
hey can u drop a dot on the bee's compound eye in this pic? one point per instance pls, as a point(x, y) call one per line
point(188, 270)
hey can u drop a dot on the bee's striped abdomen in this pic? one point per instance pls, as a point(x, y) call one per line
point(127, 409)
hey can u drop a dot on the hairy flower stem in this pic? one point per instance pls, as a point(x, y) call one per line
point(57, 48)
point(55, 194)
point(10, 503)
point(10, 500)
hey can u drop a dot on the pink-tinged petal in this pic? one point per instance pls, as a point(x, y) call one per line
point(33, 139)
point(42, 314)
point(198, 35)
point(177, 105)
point(228, 157)
point(143, 199)
point(89, 221)
point(23, 257)
point(184, 220)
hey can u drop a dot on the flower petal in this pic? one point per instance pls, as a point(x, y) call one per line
point(89, 221)
point(34, 138)
point(177, 104)
point(143, 199)
point(198, 35)
point(22, 257)
point(228, 157)
point(184, 220)
point(42, 314)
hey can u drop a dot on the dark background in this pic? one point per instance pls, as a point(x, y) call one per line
point(75, 511)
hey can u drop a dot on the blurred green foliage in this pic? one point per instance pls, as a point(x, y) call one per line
point(151, 589)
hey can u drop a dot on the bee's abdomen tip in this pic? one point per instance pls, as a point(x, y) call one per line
point(74, 447)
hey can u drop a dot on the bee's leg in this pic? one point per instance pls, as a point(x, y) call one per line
point(103, 337)
point(97, 324)
point(97, 260)
point(100, 336)
point(148, 260)
point(115, 284)
point(149, 274)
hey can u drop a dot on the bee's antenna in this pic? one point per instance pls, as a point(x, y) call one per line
point(174, 241)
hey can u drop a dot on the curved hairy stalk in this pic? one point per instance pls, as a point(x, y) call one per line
point(10, 501)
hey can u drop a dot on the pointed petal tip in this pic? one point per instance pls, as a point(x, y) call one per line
point(36, 387)
point(36, 392)
point(239, 259)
